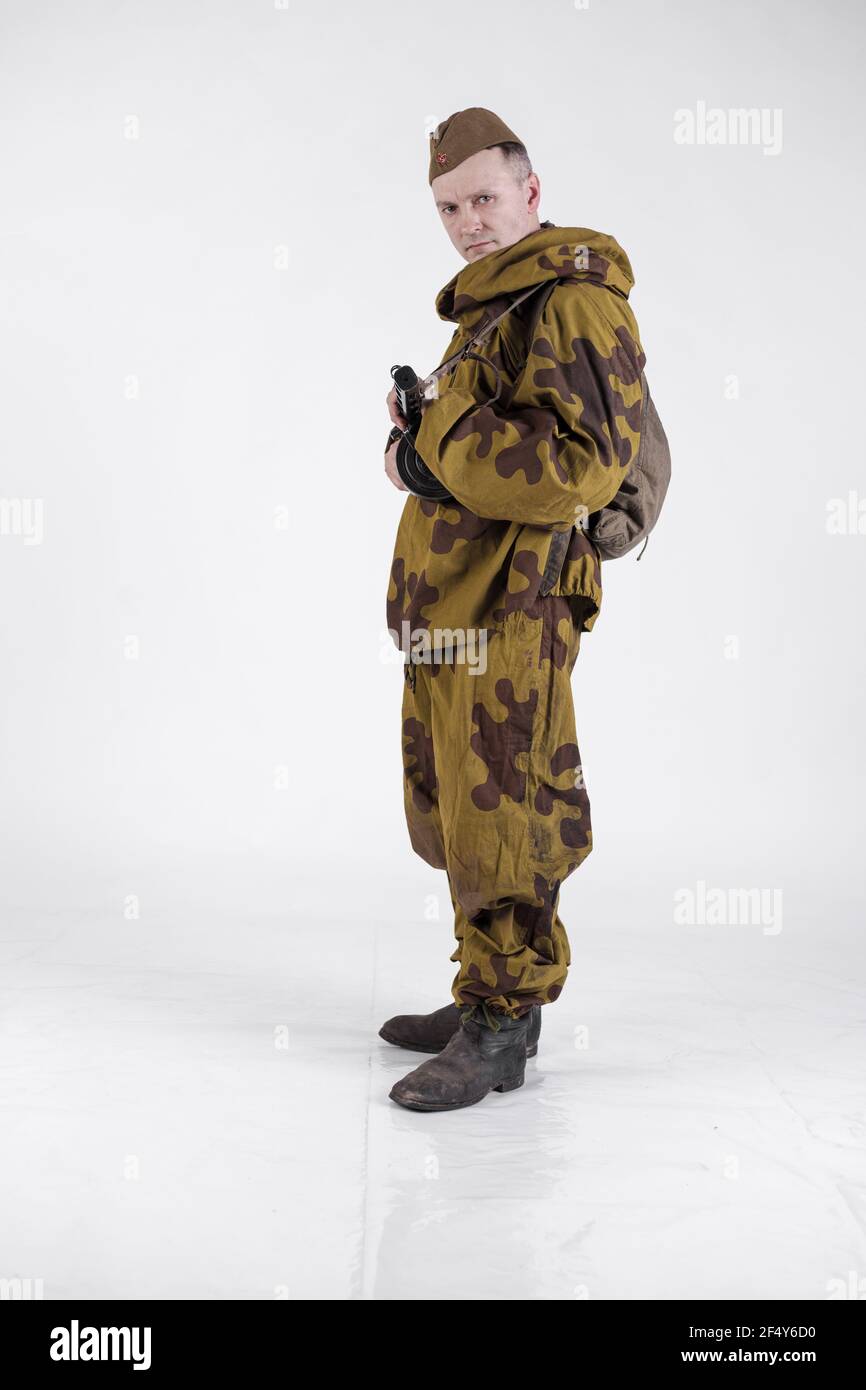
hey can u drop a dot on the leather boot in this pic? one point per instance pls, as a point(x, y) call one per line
point(486, 1053)
point(430, 1032)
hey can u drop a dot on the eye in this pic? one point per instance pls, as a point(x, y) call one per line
point(482, 196)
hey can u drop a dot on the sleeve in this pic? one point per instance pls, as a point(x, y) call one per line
point(559, 449)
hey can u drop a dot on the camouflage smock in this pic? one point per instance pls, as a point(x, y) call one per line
point(554, 446)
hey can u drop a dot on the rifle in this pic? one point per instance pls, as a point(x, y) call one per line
point(411, 467)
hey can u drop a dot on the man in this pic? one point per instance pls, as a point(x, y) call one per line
point(525, 439)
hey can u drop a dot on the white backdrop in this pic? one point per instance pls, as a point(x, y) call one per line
point(199, 323)
point(216, 236)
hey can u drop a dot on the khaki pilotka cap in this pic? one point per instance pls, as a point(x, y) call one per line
point(464, 134)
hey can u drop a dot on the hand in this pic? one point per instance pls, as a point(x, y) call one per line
point(391, 467)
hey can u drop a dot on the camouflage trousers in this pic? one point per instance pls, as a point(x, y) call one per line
point(494, 794)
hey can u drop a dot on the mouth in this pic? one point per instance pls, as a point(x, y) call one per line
point(476, 244)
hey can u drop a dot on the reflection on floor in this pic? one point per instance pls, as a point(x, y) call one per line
point(200, 1109)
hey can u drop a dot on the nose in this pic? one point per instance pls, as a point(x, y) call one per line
point(471, 225)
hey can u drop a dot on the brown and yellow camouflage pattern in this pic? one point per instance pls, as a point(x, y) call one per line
point(494, 794)
point(492, 783)
point(522, 468)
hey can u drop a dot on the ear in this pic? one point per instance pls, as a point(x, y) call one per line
point(534, 192)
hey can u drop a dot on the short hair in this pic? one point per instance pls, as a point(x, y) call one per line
point(517, 159)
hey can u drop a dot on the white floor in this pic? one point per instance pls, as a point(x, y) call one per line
point(195, 1105)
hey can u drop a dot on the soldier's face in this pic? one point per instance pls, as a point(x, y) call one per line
point(481, 206)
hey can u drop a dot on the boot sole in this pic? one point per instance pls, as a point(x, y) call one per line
point(416, 1047)
point(513, 1084)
